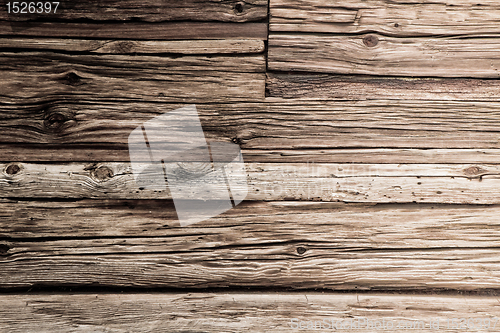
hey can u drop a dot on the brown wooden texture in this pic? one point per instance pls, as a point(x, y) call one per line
point(368, 183)
point(239, 311)
point(395, 18)
point(136, 30)
point(219, 46)
point(427, 38)
point(150, 10)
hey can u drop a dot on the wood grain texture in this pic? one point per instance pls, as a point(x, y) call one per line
point(328, 87)
point(395, 18)
point(232, 312)
point(136, 30)
point(384, 55)
point(44, 76)
point(367, 183)
point(343, 226)
point(193, 261)
point(91, 119)
point(220, 46)
point(152, 11)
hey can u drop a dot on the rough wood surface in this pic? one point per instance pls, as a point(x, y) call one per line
point(393, 90)
point(219, 46)
point(43, 76)
point(395, 18)
point(235, 312)
point(136, 30)
point(375, 54)
point(379, 183)
point(202, 261)
point(83, 116)
point(151, 11)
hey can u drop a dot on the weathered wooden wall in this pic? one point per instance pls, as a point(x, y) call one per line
point(370, 132)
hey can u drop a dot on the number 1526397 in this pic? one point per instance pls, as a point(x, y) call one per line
point(32, 7)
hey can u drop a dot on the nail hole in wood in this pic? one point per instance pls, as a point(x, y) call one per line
point(301, 250)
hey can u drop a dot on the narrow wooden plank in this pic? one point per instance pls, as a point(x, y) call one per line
point(357, 226)
point(136, 30)
point(367, 183)
point(118, 153)
point(395, 18)
point(151, 11)
point(44, 76)
point(375, 54)
point(194, 263)
point(220, 46)
point(248, 312)
point(327, 87)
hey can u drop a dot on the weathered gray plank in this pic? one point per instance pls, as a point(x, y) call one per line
point(367, 183)
point(43, 76)
point(219, 46)
point(151, 11)
point(396, 18)
point(238, 312)
point(375, 54)
point(136, 30)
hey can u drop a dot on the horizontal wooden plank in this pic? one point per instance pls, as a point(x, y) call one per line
point(84, 117)
point(375, 54)
point(44, 76)
point(357, 226)
point(237, 312)
point(367, 183)
point(219, 46)
point(393, 90)
point(151, 11)
point(395, 18)
point(118, 153)
point(195, 262)
point(136, 30)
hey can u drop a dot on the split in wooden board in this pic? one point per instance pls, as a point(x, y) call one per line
point(237, 311)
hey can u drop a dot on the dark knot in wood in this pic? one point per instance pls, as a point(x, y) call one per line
point(370, 40)
point(239, 7)
point(12, 169)
point(55, 122)
point(73, 79)
point(4, 249)
point(102, 173)
point(301, 250)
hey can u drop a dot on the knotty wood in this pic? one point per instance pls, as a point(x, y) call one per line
point(228, 312)
point(152, 11)
point(220, 46)
point(76, 122)
point(395, 18)
point(164, 262)
point(379, 183)
point(44, 76)
point(423, 56)
point(136, 30)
